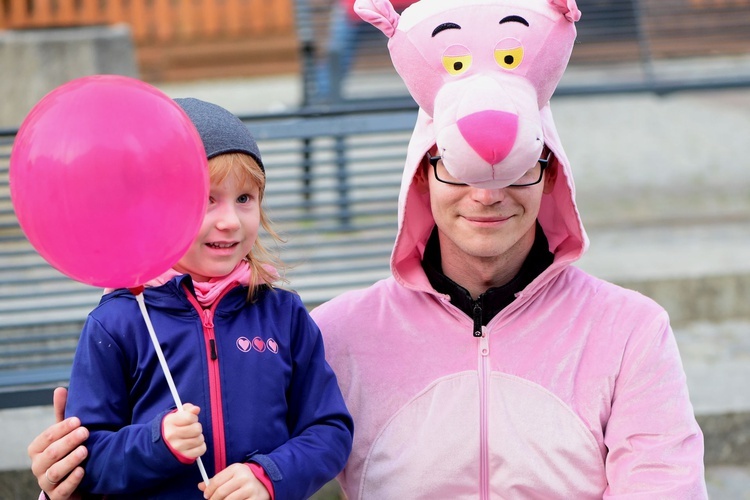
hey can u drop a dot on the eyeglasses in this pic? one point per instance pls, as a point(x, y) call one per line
point(531, 177)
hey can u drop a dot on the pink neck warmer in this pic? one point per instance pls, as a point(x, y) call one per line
point(207, 291)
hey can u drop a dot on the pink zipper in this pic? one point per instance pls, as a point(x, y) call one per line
point(484, 375)
point(214, 380)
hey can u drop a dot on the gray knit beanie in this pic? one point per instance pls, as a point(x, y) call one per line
point(221, 131)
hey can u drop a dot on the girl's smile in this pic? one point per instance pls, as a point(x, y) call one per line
point(229, 229)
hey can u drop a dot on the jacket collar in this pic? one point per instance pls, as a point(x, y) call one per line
point(495, 299)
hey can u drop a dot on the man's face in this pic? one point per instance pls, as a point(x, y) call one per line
point(485, 224)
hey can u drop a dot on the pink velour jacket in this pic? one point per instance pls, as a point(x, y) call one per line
point(576, 389)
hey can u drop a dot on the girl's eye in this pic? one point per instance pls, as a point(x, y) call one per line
point(243, 198)
point(509, 58)
point(455, 65)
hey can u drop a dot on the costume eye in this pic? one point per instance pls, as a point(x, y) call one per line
point(509, 58)
point(455, 65)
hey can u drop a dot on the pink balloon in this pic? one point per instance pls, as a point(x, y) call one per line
point(109, 180)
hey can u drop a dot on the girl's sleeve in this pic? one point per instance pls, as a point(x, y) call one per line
point(122, 457)
point(655, 447)
point(320, 425)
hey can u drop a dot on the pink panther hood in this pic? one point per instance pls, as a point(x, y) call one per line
point(485, 104)
point(485, 87)
point(558, 214)
point(482, 71)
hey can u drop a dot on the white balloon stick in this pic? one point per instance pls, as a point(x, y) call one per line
point(165, 368)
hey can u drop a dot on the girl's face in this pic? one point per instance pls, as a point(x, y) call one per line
point(229, 229)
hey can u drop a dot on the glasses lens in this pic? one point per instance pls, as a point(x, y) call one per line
point(532, 176)
point(529, 178)
point(443, 175)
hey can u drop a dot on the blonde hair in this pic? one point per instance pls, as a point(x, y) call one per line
point(266, 268)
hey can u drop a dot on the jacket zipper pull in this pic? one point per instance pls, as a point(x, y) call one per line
point(209, 323)
point(477, 320)
point(208, 319)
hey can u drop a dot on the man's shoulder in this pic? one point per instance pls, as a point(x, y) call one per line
point(349, 306)
point(601, 291)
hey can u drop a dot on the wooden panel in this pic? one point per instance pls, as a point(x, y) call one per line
point(236, 17)
point(43, 12)
point(18, 13)
point(139, 28)
point(164, 15)
point(255, 15)
point(209, 18)
point(187, 19)
point(114, 11)
point(161, 20)
point(218, 58)
point(89, 13)
point(284, 16)
point(66, 13)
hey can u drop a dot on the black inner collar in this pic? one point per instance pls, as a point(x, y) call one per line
point(495, 299)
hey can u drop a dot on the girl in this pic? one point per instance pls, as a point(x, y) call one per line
point(244, 353)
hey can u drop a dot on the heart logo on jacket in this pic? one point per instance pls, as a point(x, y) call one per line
point(258, 344)
point(243, 344)
point(272, 346)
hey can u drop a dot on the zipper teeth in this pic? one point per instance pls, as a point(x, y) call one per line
point(215, 392)
point(214, 383)
point(219, 442)
point(483, 414)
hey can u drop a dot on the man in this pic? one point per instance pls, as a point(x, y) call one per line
point(487, 365)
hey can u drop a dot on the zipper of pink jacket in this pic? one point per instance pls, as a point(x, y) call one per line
point(214, 380)
point(480, 332)
point(484, 376)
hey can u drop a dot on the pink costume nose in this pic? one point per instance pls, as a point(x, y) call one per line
point(490, 133)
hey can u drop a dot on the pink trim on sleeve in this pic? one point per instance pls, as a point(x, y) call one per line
point(260, 474)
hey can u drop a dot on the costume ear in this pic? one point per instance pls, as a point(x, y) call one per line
point(567, 7)
point(379, 13)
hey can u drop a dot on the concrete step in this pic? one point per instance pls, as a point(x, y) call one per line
point(728, 482)
point(716, 359)
point(725, 482)
point(698, 272)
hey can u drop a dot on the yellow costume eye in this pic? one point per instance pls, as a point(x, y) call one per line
point(455, 65)
point(509, 58)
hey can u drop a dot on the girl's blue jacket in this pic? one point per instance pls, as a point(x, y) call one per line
point(256, 369)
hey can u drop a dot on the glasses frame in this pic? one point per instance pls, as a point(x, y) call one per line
point(543, 162)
